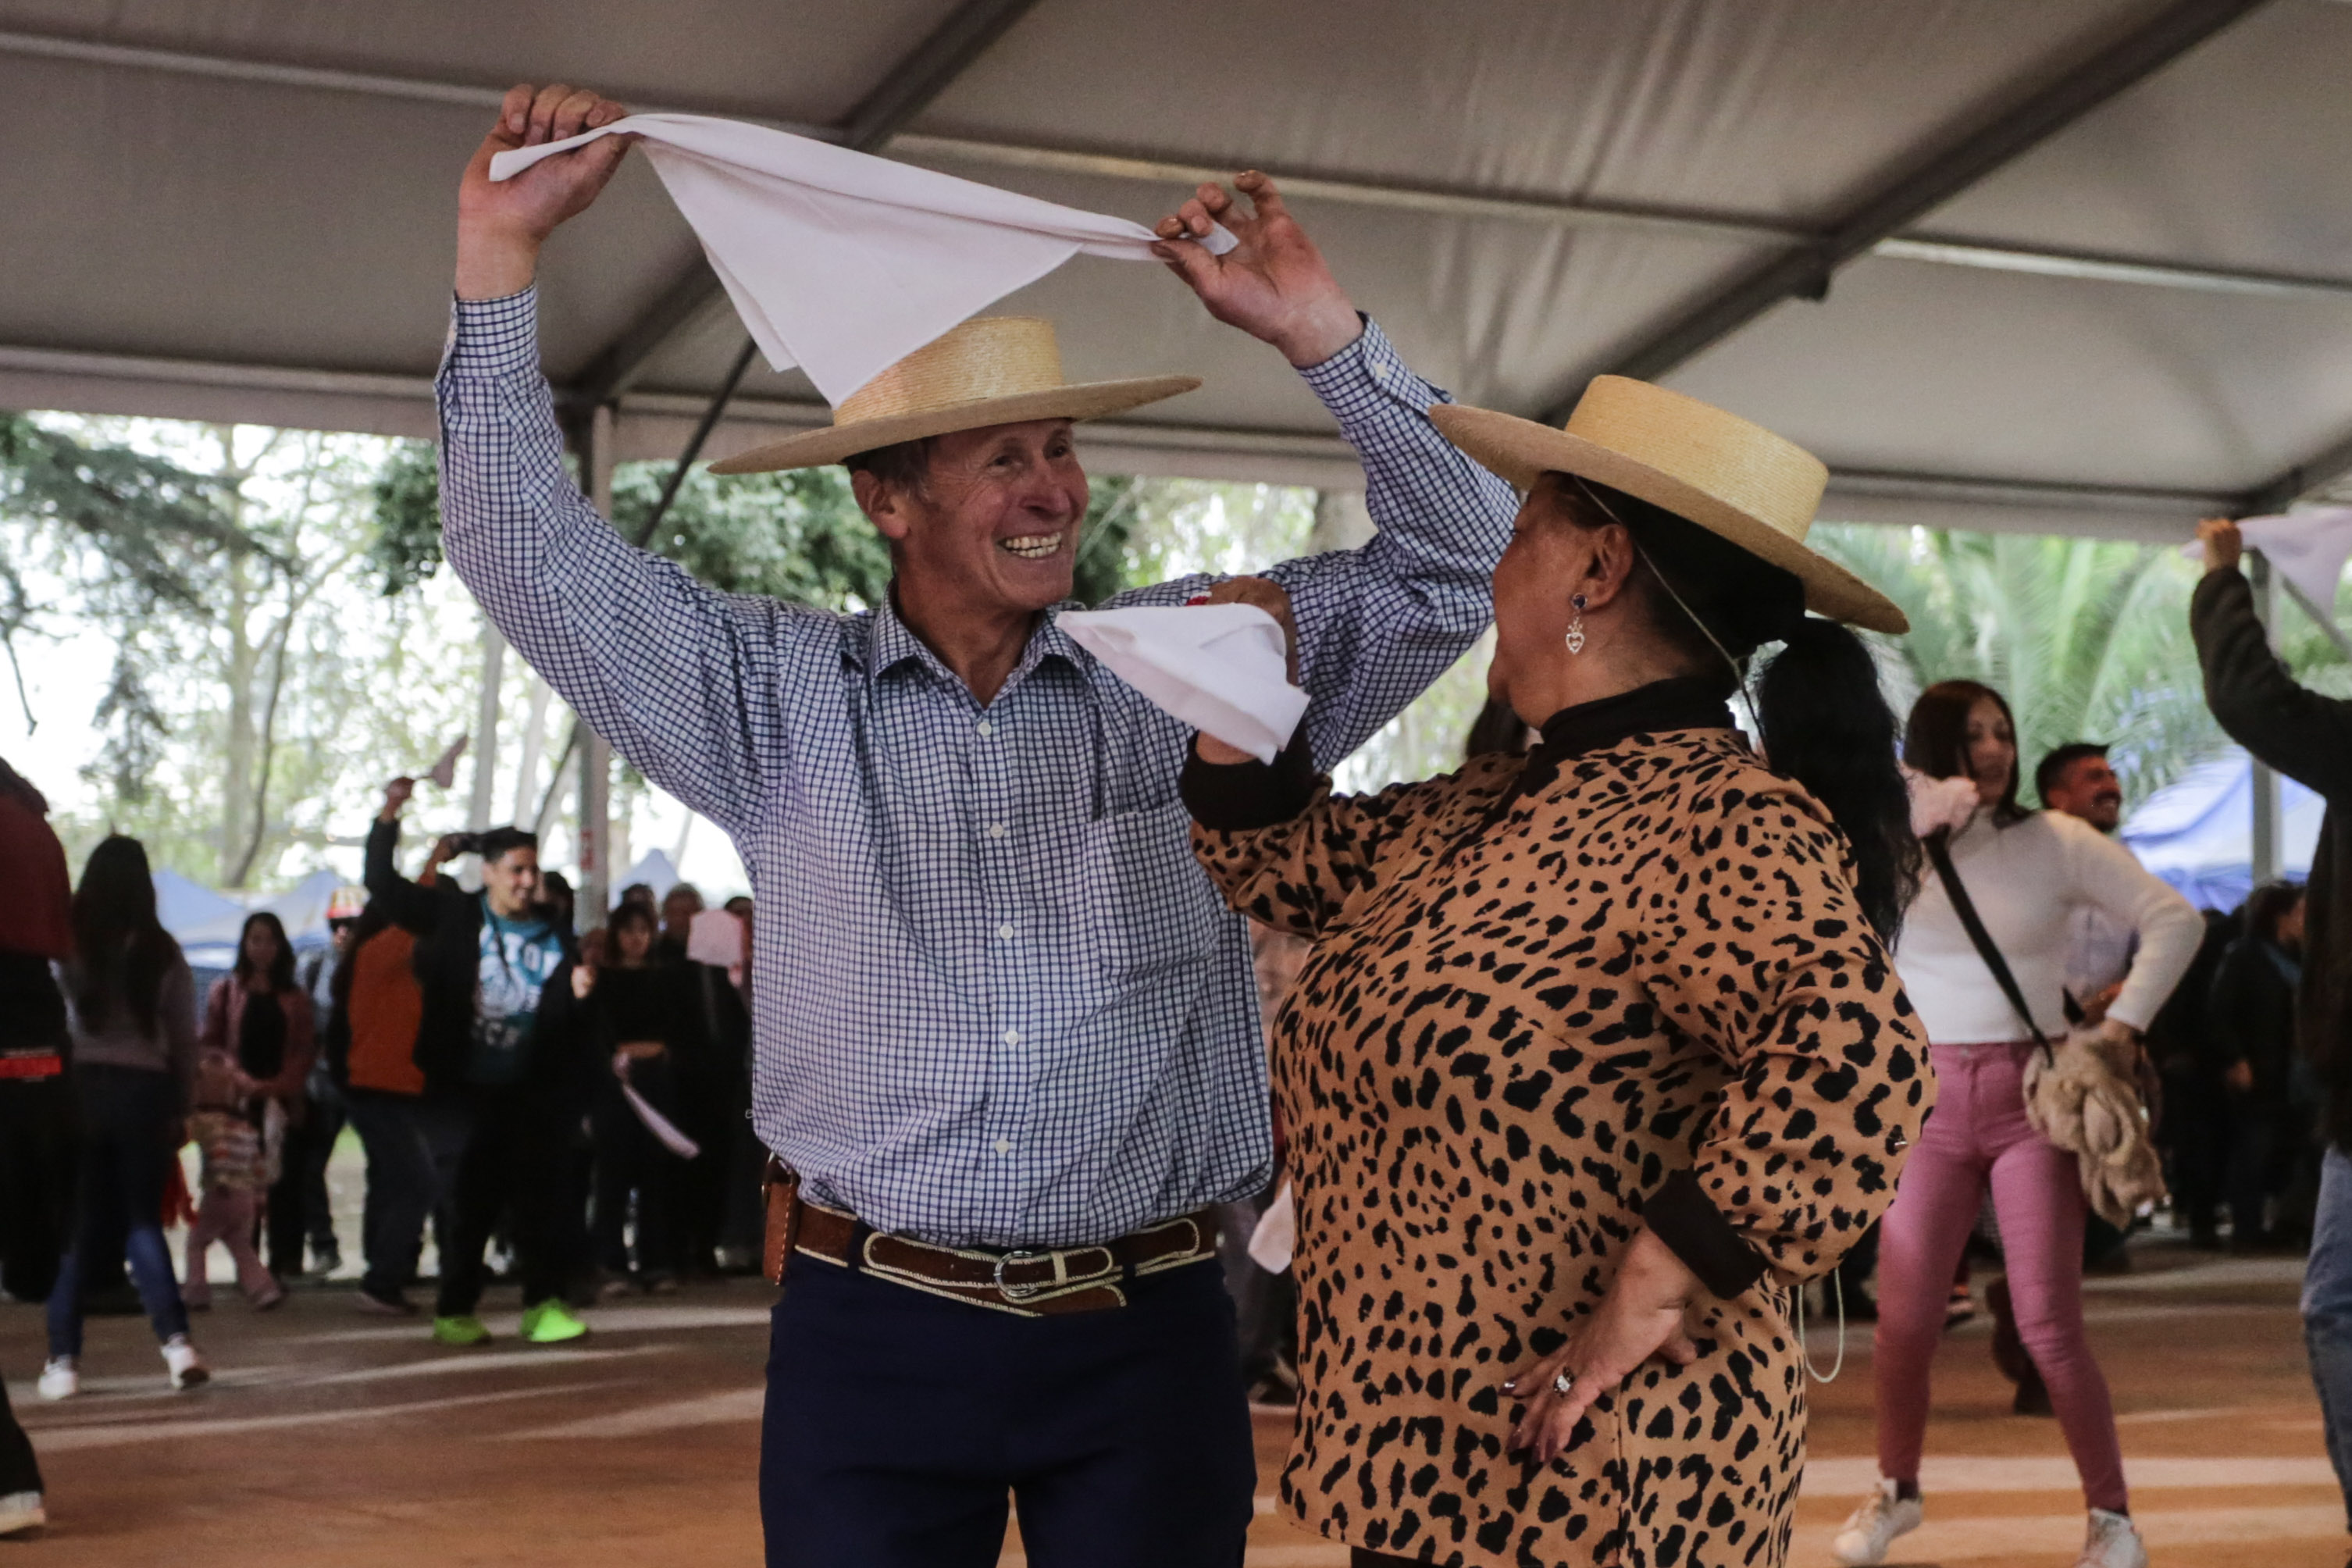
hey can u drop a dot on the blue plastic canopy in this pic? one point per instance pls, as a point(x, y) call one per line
point(2197, 832)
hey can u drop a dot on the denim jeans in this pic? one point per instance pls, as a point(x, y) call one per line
point(2327, 1312)
point(411, 1147)
point(126, 1117)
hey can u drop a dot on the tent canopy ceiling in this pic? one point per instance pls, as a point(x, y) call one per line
point(2080, 265)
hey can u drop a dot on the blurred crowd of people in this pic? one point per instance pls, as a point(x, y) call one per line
point(576, 1105)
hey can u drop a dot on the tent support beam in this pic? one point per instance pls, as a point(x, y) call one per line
point(1929, 185)
point(911, 88)
point(2315, 472)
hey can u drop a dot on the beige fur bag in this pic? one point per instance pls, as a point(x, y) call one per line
point(2084, 1097)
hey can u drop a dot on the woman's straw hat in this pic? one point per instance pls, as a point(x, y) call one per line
point(992, 369)
point(1733, 478)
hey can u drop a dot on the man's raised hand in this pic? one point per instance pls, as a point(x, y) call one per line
point(502, 224)
point(1274, 285)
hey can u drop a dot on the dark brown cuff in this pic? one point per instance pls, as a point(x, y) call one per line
point(1241, 797)
point(1679, 1214)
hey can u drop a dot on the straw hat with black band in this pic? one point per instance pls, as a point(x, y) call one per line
point(1737, 481)
point(992, 370)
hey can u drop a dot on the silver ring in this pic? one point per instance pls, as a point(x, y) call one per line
point(1561, 1382)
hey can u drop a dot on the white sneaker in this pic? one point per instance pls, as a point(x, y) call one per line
point(20, 1511)
point(60, 1377)
point(2113, 1542)
point(186, 1367)
point(1875, 1525)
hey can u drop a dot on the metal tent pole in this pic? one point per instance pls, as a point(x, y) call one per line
point(2265, 781)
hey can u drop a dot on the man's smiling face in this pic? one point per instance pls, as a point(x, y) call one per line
point(995, 525)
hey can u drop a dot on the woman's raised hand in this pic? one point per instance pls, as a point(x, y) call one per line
point(1642, 1316)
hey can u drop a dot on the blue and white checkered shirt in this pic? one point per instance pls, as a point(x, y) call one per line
point(996, 1003)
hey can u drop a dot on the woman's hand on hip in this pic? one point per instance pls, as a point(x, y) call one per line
point(1642, 1316)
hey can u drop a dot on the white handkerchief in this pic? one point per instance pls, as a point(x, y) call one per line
point(2309, 549)
point(844, 263)
point(1276, 1239)
point(445, 772)
point(1219, 668)
point(660, 1126)
point(716, 937)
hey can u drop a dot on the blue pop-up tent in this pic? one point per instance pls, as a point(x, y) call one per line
point(2197, 832)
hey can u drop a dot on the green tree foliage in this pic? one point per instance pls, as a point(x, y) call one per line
point(213, 560)
point(406, 548)
point(796, 535)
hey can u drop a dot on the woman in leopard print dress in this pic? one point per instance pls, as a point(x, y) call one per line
point(1599, 1054)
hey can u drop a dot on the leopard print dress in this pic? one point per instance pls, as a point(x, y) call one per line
point(1508, 1032)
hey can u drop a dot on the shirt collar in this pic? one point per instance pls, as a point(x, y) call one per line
point(889, 643)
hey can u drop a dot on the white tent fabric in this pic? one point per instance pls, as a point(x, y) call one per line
point(655, 869)
point(2139, 311)
point(206, 924)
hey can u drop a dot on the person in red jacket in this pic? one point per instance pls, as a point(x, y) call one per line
point(35, 1138)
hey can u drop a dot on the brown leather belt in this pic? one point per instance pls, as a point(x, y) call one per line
point(1027, 1282)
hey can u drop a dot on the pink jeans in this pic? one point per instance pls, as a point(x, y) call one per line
point(227, 1215)
point(1977, 1134)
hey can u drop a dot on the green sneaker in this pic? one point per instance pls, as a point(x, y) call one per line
point(466, 1330)
point(551, 1323)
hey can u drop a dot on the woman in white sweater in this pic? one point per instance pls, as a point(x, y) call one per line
point(2026, 872)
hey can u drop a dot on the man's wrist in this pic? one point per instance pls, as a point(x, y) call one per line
point(1321, 335)
point(493, 263)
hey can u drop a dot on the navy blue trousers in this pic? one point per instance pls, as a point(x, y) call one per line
point(899, 1422)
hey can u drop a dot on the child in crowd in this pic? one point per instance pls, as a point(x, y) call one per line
point(240, 1161)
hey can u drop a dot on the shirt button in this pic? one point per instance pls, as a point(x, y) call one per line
point(986, 729)
point(996, 830)
point(1004, 932)
point(1012, 1036)
point(1003, 1145)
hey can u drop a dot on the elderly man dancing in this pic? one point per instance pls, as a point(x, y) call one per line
point(1005, 1033)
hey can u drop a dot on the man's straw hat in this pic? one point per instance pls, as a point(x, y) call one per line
point(1734, 480)
point(992, 369)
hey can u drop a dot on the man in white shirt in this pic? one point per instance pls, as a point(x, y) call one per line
point(2076, 779)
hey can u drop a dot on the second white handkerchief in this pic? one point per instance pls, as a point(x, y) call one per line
point(1221, 668)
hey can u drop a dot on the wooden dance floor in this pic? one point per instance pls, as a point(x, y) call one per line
point(331, 1438)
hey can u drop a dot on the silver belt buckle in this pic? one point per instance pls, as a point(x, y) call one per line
point(1017, 1293)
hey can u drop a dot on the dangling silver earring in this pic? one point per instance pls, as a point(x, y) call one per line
point(1576, 627)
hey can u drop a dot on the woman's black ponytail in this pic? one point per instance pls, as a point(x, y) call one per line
point(1826, 724)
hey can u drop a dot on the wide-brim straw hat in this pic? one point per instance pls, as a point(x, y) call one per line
point(992, 369)
point(1736, 480)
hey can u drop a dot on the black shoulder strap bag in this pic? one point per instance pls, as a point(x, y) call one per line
point(1939, 854)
